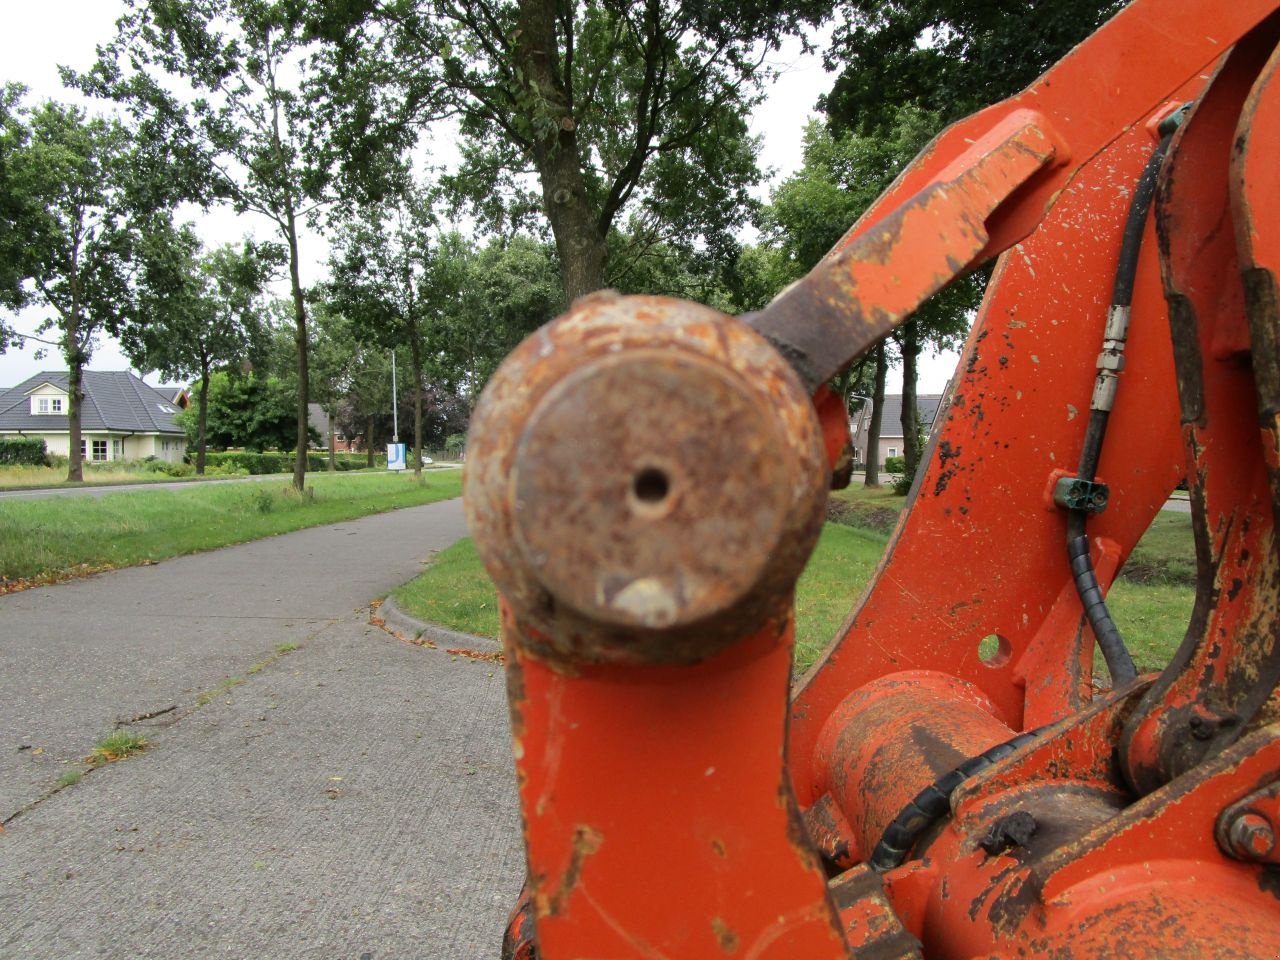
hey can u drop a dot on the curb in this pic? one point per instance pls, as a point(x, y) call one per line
point(398, 623)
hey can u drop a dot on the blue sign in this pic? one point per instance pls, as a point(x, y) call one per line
point(395, 456)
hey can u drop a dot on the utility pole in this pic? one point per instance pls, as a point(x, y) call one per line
point(395, 403)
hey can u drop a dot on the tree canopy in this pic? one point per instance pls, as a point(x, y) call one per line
point(951, 57)
point(207, 311)
point(79, 202)
point(220, 87)
point(600, 114)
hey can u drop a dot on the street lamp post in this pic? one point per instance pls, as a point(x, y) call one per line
point(395, 407)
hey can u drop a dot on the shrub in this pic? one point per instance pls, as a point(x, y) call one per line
point(23, 452)
point(895, 465)
point(454, 444)
point(250, 462)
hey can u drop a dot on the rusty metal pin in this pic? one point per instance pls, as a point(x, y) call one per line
point(645, 482)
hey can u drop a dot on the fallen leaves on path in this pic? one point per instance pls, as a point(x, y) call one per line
point(18, 584)
point(485, 656)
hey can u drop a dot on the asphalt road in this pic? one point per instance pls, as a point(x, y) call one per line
point(103, 489)
point(350, 798)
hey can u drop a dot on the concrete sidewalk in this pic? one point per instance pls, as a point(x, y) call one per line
point(353, 798)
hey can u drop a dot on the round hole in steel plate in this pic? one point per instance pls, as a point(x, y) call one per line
point(651, 485)
point(994, 650)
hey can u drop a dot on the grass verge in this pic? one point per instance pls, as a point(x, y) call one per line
point(58, 537)
point(455, 592)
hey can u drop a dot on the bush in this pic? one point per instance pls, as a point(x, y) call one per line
point(252, 463)
point(257, 464)
point(455, 444)
point(901, 486)
point(895, 465)
point(23, 452)
point(170, 469)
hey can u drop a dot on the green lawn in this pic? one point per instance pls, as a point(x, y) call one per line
point(455, 592)
point(53, 537)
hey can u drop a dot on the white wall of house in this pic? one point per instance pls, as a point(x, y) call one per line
point(152, 445)
point(116, 446)
point(55, 443)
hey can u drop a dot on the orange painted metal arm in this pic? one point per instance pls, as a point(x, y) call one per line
point(988, 181)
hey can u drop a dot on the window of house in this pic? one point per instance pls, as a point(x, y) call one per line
point(99, 450)
point(117, 449)
point(46, 405)
point(893, 451)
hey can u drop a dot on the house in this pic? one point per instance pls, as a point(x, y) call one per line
point(890, 425)
point(121, 418)
point(319, 422)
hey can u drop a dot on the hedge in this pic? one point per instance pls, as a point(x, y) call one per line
point(23, 451)
point(276, 462)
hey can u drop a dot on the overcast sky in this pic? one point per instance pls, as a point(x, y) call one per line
point(40, 36)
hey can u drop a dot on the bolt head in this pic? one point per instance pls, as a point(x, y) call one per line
point(1252, 837)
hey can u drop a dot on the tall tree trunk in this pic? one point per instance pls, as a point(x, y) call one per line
point(368, 442)
point(415, 358)
point(75, 400)
point(202, 434)
point(300, 339)
point(579, 241)
point(909, 341)
point(872, 476)
point(333, 465)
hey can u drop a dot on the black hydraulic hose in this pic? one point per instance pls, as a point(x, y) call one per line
point(1119, 662)
point(933, 803)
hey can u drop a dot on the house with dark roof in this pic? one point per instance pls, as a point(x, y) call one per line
point(122, 418)
point(890, 425)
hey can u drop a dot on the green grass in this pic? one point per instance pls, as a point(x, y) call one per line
point(54, 537)
point(839, 569)
point(455, 592)
point(116, 745)
point(222, 689)
point(25, 478)
point(1166, 554)
point(1152, 619)
point(70, 778)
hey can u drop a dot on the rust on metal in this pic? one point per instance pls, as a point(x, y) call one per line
point(1247, 829)
point(849, 303)
point(645, 481)
point(647, 477)
point(1229, 661)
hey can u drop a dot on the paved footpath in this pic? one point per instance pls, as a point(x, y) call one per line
point(352, 798)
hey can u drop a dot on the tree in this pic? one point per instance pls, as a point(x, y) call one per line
point(208, 310)
point(911, 67)
point(334, 350)
point(950, 57)
point(77, 192)
point(366, 406)
point(217, 83)
point(394, 280)
point(611, 106)
point(511, 287)
point(16, 200)
point(247, 411)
